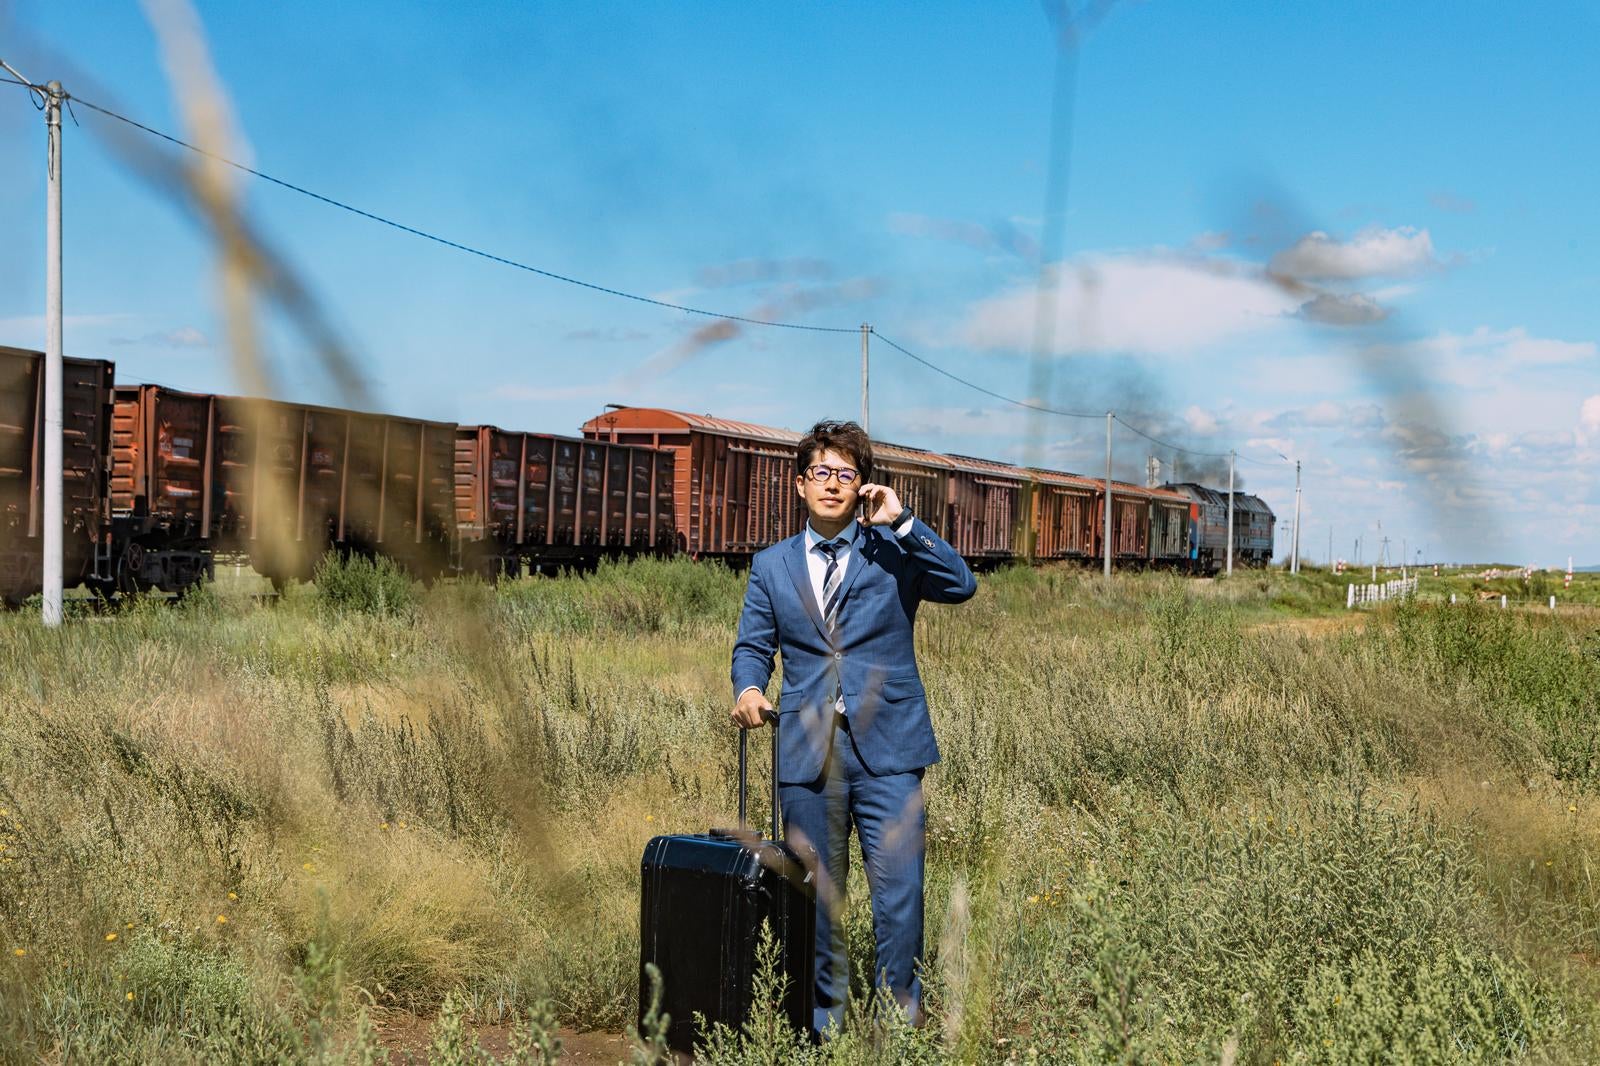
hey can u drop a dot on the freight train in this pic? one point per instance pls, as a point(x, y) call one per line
point(160, 483)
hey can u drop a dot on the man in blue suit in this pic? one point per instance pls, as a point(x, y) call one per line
point(838, 601)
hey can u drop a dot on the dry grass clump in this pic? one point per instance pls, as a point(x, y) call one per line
point(1163, 827)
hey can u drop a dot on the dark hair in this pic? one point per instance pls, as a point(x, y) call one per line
point(846, 438)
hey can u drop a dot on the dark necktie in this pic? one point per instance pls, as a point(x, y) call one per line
point(831, 580)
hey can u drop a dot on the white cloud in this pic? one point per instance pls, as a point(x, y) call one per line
point(1004, 236)
point(1329, 414)
point(1332, 309)
point(1589, 421)
point(1521, 348)
point(1141, 303)
point(1374, 252)
point(27, 327)
point(1485, 357)
point(1200, 421)
point(182, 337)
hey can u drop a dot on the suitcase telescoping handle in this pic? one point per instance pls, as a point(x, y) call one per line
point(744, 778)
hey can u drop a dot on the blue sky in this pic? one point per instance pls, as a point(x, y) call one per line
point(1358, 234)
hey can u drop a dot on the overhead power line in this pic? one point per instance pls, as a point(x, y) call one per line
point(1167, 444)
point(979, 388)
point(457, 245)
point(607, 290)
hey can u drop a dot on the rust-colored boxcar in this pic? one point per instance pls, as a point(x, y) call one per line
point(1172, 516)
point(988, 510)
point(1062, 511)
point(195, 474)
point(734, 481)
point(1130, 523)
point(547, 500)
point(85, 429)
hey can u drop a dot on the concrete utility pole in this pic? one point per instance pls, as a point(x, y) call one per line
point(1231, 457)
point(52, 511)
point(1108, 493)
point(1294, 548)
point(54, 519)
point(866, 414)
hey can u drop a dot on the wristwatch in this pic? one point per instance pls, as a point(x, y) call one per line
point(903, 523)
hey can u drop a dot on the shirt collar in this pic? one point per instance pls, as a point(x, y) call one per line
point(847, 534)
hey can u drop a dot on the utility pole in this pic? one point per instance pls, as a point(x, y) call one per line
point(866, 415)
point(1108, 493)
point(51, 489)
point(1231, 457)
point(53, 515)
point(1294, 548)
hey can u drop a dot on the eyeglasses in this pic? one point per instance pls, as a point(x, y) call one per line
point(821, 473)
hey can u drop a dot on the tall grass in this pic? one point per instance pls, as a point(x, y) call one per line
point(1166, 825)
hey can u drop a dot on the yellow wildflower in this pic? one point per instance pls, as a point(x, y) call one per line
point(384, 826)
point(110, 937)
point(402, 825)
point(233, 895)
point(129, 997)
point(1572, 808)
point(128, 926)
point(20, 952)
point(1033, 899)
point(1336, 1001)
point(649, 817)
point(222, 919)
point(308, 867)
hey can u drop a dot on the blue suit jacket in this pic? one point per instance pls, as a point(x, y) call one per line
point(871, 655)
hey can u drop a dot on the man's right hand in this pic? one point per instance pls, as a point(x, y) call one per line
point(751, 710)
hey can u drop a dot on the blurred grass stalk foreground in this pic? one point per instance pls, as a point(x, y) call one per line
point(1176, 821)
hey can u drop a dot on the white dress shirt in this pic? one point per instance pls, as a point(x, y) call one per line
point(817, 562)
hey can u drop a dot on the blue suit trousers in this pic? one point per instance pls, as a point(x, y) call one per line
point(886, 811)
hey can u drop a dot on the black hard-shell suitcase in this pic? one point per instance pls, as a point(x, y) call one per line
point(704, 902)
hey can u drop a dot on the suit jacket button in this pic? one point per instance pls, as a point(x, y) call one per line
point(838, 655)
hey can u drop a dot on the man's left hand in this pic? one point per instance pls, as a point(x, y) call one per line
point(880, 505)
